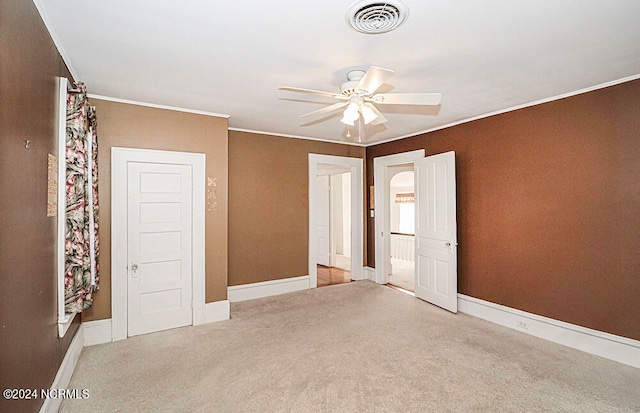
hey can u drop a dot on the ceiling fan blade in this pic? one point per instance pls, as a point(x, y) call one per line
point(380, 119)
point(326, 109)
point(407, 98)
point(373, 79)
point(313, 92)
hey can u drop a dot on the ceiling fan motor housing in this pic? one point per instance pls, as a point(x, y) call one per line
point(348, 88)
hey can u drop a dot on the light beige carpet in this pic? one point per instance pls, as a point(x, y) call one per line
point(356, 347)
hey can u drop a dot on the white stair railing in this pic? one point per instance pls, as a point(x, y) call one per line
point(402, 247)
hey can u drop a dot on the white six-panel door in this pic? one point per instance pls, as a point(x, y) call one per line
point(159, 234)
point(436, 231)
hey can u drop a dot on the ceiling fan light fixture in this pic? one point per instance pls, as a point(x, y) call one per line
point(375, 17)
point(347, 121)
point(350, 114)
point(368, 115)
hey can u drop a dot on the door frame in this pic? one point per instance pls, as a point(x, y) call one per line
point(382, 221)
point(356, 166)
point(119, 288)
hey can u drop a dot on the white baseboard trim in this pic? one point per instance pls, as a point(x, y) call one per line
point(97, 332)
point(216, 311)
point(63, 377)
point(616, 348)
point(100, 331)
point(244, 292)
point(369, 273)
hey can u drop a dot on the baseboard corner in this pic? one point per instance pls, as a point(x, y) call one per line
point(216, 311)
point(369, 273)
point(97, 332)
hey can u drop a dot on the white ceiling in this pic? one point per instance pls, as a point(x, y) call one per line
point(230, 57)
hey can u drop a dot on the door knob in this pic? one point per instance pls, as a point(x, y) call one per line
point(134, 267)
point(134, 270)
point(447, 244)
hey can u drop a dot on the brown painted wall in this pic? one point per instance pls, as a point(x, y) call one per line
point(549, 207)
point(269, 204)
point(132, 126)
point(30, 350)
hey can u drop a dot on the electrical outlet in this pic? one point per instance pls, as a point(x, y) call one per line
point(522, 324)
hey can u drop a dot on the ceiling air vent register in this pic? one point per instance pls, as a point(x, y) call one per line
point(374, 17)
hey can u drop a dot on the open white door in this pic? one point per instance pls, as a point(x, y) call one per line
point(436, 231)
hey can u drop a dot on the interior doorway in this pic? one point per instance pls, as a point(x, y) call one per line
point(334, 224)
point(336, 217)
point(402, 227)
point(435, 245)
point(385, 168)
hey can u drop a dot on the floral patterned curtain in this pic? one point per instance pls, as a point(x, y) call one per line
point(81, 244)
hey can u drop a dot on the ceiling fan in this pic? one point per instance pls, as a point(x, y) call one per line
point(357, 95)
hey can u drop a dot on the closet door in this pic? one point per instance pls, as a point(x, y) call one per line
point(159, 247)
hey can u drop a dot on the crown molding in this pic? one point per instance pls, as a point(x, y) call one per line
point(514, 108)
point(153, 105)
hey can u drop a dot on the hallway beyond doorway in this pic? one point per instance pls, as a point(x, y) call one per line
point(332, 275)
point(402, 275)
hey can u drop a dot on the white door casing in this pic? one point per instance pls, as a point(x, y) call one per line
point(356, 167)
point(121, 158)
point(436, 231)
point(159, 246)
point(382, 226)
point(323, 219)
